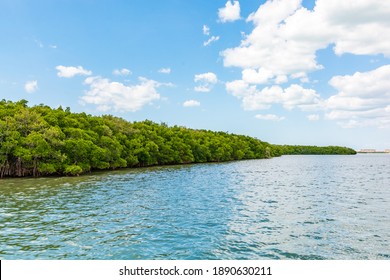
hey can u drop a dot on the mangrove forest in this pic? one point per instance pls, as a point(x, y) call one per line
point(40, 141)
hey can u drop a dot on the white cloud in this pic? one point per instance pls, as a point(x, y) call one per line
point(191, 103)
point(208, 77)
point(206, 30)
point(295, 96)
point(122, 72)
point(267, 49)
point(210, 40)
point(260, 76)
point(362, 100)
point(71, 71)
point(269, 117)
point(360, 27)
point(31, 86)
point(165, 70)
point(281, 79)
point(313, 117)
point(304, 99)
point(231, 11)
point(108, 95)
point(206, 80)
point(262, 99)
point(286, 36)
point(302, 76)
point(202, 88)
point(240, 88)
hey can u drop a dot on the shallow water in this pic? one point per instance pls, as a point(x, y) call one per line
point(292, 207)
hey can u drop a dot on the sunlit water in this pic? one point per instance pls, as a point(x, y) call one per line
point(293, 207)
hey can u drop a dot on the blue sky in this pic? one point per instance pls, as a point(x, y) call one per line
point(284, 71)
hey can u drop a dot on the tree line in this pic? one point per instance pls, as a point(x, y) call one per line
point(40, 141)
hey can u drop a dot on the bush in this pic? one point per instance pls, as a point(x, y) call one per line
point(73, 170)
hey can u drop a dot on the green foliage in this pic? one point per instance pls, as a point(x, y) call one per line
point(313, 150)
point(73, 170)
point(39, 140)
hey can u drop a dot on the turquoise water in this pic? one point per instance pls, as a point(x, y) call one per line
point(292, 207)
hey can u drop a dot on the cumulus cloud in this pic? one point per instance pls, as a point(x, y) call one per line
point(31, 86)
point(286, 36)
point(71, 71)
point(165, 70)
point(260, 76)
point(191, 103)
point(210, 40)
point(267, 49)
point(240, 88)
point(206, 81)
point(360, 27)
point(231, 11)
point(122, 72)
point(362, 100)
point(269, 117)
point(303, 98)
point(108, 95)
point(295, 96)
point(208, 77)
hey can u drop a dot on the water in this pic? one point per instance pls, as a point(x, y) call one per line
point(293, 207)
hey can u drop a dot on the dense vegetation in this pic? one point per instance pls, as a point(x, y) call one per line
point(39, 140)
point(314, 150)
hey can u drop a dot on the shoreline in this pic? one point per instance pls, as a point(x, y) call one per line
point(97, 171)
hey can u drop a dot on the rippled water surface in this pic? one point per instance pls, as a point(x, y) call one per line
point(293, 207)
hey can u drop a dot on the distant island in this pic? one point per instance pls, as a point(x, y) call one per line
point(373, 151)
point(41, 141)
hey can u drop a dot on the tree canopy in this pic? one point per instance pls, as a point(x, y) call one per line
point(38, 141)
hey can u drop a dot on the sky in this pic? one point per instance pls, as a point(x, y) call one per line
point(284, 71)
